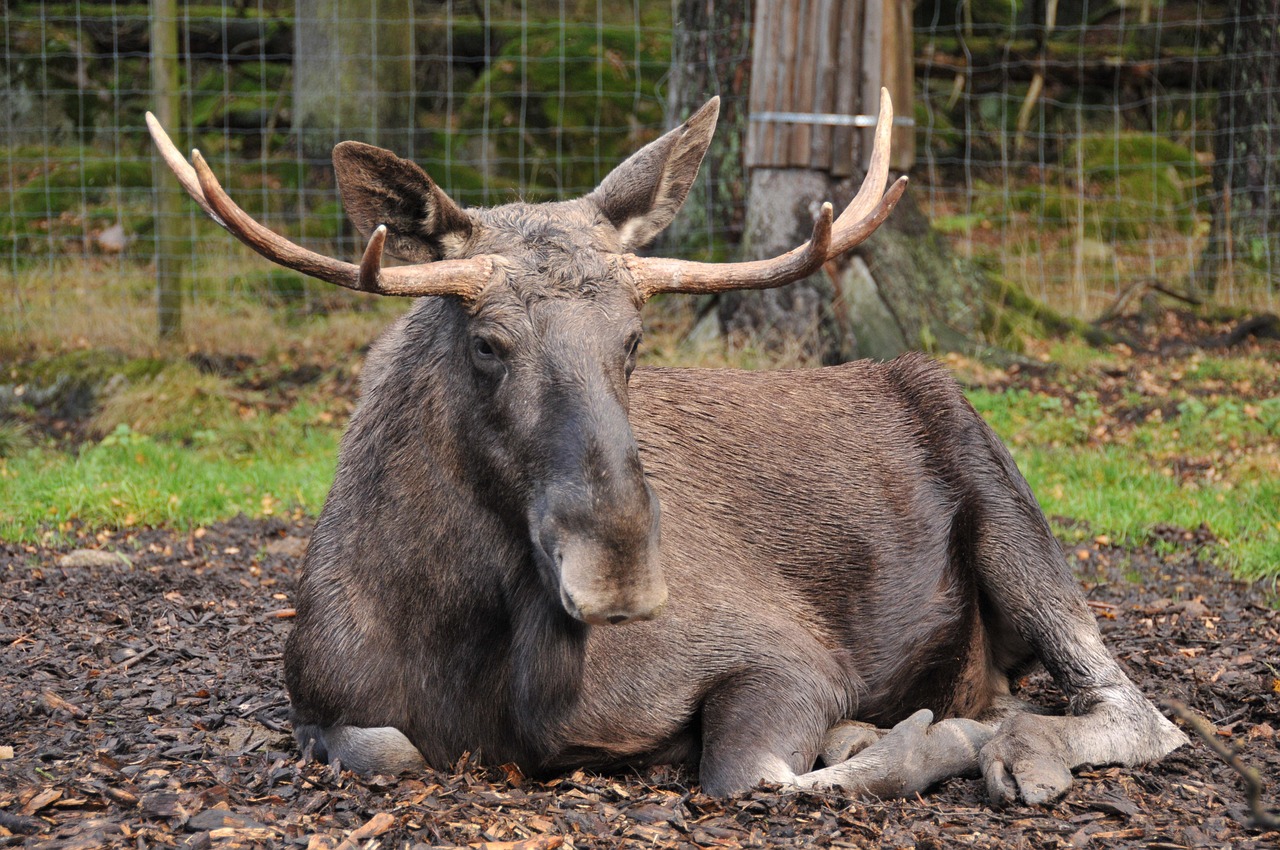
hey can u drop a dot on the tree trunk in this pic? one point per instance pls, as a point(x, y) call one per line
point(710, 53)
point(903, 288)
point(353, 74)
point(1244, 237)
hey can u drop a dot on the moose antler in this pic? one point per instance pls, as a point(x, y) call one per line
point(863, 215)
point(464, 278)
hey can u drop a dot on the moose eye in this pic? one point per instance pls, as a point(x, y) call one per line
point(633, 347)
point(486, 355)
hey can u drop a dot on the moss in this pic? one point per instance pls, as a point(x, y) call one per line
point(1112, 155)
point(582, 105)
point(934, 128)
point(1118, 203)
point(77, 180)
point(1009, 313)
point(326, 220)
point(468, 186)
point(93, 367)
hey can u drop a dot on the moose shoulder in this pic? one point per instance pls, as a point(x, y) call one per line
point(536, 552)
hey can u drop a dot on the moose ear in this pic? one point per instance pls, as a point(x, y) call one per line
point(642, 196)
point(379, 187)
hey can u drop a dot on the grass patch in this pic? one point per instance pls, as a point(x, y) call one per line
point(1165, 446)
point(131, 479)
point(107, 309)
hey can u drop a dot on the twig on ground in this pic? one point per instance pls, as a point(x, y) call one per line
point(134, 659)
point(1204, 730)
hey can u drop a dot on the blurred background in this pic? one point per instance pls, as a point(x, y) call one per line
point(1085, 153)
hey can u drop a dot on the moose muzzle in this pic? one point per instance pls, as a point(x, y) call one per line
point(600, 550)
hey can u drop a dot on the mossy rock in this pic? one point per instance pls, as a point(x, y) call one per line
point(1112, 155)
point(78, 192)
point(75, 180)
point(1140, 183)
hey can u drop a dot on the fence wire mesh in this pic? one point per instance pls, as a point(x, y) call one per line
point(1078, 155)
point(1077, 159)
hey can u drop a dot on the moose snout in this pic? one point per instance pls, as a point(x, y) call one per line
point(594, 591)
point(607, 571)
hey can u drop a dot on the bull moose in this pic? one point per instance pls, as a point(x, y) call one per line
point(801, 558)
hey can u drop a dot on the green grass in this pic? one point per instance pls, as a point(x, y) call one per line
point(1214, 463)
point(130, 479)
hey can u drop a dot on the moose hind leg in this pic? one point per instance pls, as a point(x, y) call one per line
point(382, 749)
point(1032, 594)
point(772, 721)
point(909, 758)
point(906, 760)
point(846, 739)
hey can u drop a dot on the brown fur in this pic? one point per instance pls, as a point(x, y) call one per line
point(791, 549)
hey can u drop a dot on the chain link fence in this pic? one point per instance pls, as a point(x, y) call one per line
point(1074, 156)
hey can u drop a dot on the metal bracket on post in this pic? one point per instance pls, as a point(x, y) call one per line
point(826, 119)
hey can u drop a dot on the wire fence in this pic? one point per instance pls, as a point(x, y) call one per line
point(1077, 159)
point(1078, 156)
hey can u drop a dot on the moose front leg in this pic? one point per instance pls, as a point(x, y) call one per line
point(1032, 755)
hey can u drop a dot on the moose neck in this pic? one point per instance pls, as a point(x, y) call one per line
point(491, 576)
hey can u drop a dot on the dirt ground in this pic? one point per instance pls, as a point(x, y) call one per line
point(143, 702)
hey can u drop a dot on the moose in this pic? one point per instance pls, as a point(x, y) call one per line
point(539, 553)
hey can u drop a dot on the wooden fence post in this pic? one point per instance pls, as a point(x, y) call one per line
point(817, 69)
point(168, 230)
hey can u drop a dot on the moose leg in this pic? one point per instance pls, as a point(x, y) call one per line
point(764, 727)
point(914, 755)
point(383, 749)
point(846, 739)
point(1036, 604)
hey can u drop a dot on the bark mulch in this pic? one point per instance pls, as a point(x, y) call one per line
point(141, 705)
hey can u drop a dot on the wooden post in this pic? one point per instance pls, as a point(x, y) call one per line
point(818, 66)
point(168, 230)
point(897, 74)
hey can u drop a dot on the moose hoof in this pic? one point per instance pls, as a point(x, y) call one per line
point(920, 753)
point(848, 738)
point(1022, 767)
point(1034, 781)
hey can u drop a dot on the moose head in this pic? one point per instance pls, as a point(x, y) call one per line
point(540, 322)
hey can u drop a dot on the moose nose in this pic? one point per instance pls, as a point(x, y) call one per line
point(619, 615)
